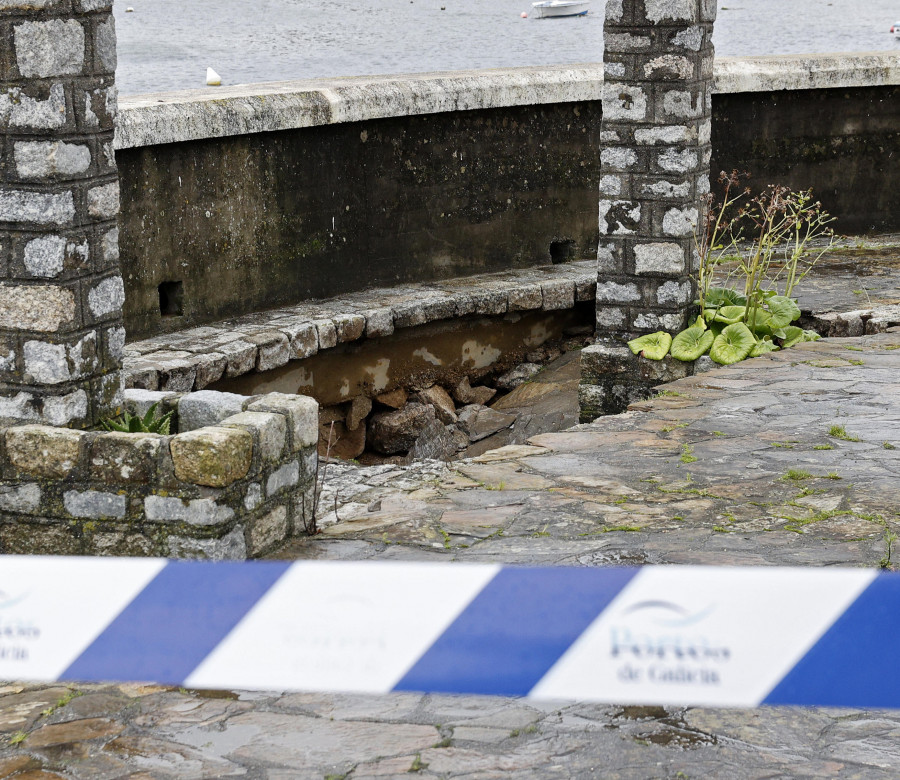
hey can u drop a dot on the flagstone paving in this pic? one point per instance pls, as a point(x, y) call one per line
point(785, 459)
point(788, 459)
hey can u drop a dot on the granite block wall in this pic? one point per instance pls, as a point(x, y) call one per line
point(61, 292)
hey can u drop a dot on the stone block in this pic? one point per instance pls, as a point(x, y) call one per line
point(609, 317)
point(50, 159)
point(663, 189)
point(45, 363)
point(41, 208)
point(671, 11)
point(689, 39)
point(125, 457)
point(269, 431)
point(231, 547)
point(327, 333)
point(284, 477)
point(659, 258)
point(106, 298)
point(95, 505)
point(253, 497)
point(669, 67)
point(585, 290)
point(379, 322)
point(268, 530)
point(68, 409)
point(195, 511)
point(393, 432)
point(304, 339)
point(675, 105)
point(20, 498)
point(605, 358)
point(240, 357)
point(613, 292)
point(409, 315)
point(43, 451)
point(490, 301)
point(45, 256)
point(103, 201)
point(301, 412)
point(215, 457)
point(558, 295)
point(105, 44)
point(273, 349)
point(49, 48)
point(210, 368)
point(680, 222)
point(349, 327)
point(651, 321)
point(33, 112)
point(613, 185)
point(619, 217)
point(674, 293)
point(667, 134)
point(618, 158)
point(624, 103)
point(176, 374)
point(207, 407)
point(678, 160)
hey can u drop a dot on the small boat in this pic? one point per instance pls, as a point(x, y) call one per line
point(896, 29)
point(552, 8)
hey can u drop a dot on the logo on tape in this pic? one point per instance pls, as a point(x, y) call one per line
point(15, 632)
point(657, 641)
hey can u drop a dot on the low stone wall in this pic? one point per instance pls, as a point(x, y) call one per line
point(235, 482)
point(198, 357)
point(240, 199)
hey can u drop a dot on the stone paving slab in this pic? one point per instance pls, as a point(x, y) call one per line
point(786, 459)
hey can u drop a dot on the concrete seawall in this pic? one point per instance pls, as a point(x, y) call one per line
point(244, 198)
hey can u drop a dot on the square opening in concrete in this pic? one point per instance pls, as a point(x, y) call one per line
point(171, 299)
point(562, 251)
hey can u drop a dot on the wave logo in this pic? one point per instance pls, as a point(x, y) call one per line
point(667, 614)
point(8, 600)
point(664, 630)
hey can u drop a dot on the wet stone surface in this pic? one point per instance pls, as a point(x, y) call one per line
point(786, 459)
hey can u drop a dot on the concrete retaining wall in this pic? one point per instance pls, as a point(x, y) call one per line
point(246, 198)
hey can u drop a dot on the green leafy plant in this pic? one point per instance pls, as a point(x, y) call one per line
point(149, 423)
point(751, 311)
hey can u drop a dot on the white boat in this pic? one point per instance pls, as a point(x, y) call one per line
point(551, 8)
point(896, 30)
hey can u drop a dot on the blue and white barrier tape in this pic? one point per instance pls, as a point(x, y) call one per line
point(661, 635)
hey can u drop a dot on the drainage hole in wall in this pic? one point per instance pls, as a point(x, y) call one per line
point(562, 251)
point(171, 299)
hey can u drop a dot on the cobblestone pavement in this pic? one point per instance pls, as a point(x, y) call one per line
point(786, 459)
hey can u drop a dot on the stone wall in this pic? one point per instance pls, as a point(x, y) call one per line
point(61, 292)
point(305, 190)
point(236, 481)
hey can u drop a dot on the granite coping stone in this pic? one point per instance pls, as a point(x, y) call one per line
point(171, 117)
point(176, 362)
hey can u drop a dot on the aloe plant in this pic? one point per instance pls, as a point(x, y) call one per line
point(149, 423)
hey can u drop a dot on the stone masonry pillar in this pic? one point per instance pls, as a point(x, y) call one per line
point(61, 292)
point(658, 64)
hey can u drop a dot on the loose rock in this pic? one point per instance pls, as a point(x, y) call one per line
point(396, 399)
point(393, 432)
point(479, 421)
point(518, 376)
point(466, 394)
point(440, 399)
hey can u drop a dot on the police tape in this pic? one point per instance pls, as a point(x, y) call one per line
point(655, 635)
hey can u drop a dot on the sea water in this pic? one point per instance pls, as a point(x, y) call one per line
point(169, 44)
